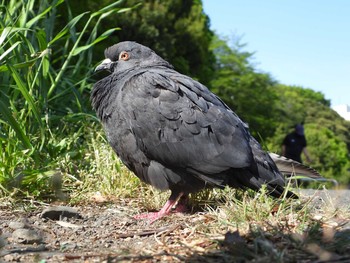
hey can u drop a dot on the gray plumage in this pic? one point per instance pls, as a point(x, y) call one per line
point(291, 167)
point(172, 132)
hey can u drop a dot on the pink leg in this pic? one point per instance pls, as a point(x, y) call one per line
point(174, 197)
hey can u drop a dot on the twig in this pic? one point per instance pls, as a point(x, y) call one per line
point(118, 258)
point(158, 231)
point(20, 250)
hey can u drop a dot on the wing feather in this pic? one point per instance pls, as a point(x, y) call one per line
point(185, 125)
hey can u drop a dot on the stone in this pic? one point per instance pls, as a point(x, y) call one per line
point(19, 224)
point(26, 236)
point(59, 212)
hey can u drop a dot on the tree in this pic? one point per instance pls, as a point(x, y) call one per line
point(329, 153)
point(177, 30)
point(248, 92)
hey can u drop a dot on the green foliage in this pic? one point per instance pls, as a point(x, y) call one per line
point(296, 104)
point(44, 91)
point(177, 30)
point(330, 154)
point(247, 92)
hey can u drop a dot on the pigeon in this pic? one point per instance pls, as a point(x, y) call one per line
point(175, 134)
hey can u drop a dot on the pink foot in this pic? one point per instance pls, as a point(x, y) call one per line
point(165, 210)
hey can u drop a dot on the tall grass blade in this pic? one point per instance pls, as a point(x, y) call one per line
point(107, 8)
point(31, 22)
point(65, 30)
point(28, 98)
point(3, 55)
point(78, 50)
point(10, 120)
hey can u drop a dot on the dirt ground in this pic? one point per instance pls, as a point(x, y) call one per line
point(103, 233)
point(107, 232)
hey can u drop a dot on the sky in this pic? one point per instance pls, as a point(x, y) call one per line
point(298, 42)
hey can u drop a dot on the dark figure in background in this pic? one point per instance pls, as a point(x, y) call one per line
point(294, 144)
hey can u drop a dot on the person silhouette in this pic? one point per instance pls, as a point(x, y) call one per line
point(294, 144)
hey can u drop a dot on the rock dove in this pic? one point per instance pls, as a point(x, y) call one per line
point(173, 133)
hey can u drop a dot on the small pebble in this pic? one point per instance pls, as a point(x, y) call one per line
point(18, 224)
point(26, 236)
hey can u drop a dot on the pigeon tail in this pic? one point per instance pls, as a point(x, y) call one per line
point(289, 166)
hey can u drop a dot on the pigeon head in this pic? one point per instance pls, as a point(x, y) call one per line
point(127, 55)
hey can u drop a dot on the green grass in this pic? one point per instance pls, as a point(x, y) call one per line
point(45, 74)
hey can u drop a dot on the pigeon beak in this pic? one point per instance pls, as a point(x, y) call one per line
point(106, 64)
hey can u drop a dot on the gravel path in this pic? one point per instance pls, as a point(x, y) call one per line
point(336, 198)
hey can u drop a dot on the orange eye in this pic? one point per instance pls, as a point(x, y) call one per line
point(124, 55)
